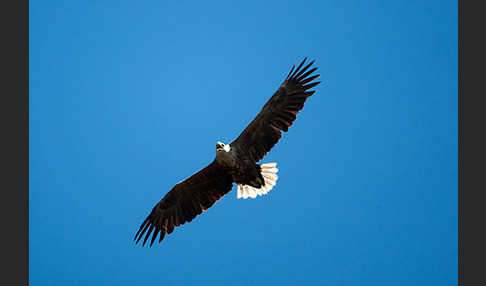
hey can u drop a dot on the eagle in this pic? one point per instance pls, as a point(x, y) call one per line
point(236, 162)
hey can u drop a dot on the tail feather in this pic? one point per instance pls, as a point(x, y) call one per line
point(269, 174)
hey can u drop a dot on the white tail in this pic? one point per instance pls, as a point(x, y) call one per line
point(269, 174)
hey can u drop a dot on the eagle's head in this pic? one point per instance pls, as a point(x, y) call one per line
point(220, 146)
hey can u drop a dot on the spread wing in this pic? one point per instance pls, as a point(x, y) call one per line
point(185, 201)
point(278, 113)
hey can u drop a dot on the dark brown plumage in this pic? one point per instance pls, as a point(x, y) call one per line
point(185, 201)
point(278, 113)
point(199, 192)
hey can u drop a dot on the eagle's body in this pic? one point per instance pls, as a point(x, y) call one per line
point(236, 162)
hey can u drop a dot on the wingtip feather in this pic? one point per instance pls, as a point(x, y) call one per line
point(311, 85)
point(298, 68)
point(148, 234)
point(298, 75)
point(291, 70)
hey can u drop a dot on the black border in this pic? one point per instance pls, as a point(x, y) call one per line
point(472, 143)
point(14, 102)
point(15, 141)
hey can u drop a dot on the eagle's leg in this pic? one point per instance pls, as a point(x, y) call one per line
point(257, 182)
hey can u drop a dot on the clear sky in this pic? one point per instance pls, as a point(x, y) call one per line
point(128, 98)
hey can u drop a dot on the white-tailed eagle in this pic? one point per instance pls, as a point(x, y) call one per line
point(235, 162)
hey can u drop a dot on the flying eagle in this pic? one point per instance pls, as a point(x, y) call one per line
point(235, 162)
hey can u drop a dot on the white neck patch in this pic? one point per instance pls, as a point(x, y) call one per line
point(226, 147)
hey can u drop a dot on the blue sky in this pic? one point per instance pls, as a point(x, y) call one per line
point(128, 99)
